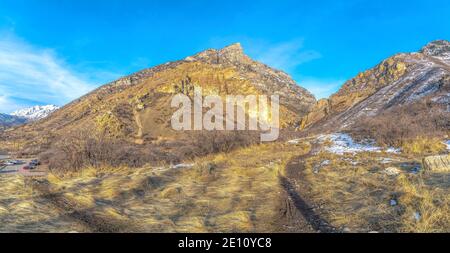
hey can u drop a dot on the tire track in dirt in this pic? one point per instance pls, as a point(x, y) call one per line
point(85, 216)
point(139, 133)
point(300, 214)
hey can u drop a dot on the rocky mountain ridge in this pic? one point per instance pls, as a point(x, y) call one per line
point(399, 80)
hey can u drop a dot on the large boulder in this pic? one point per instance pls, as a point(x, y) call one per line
point(439, 163)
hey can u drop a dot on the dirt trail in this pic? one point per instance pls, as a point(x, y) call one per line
point(85, 216)
point(139, 133)
point(300, 214)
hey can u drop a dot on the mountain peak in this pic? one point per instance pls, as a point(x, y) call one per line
point(233, 53)
point(437, 48)
point(235, 48)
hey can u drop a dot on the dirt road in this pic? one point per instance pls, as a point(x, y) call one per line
point(301, 215)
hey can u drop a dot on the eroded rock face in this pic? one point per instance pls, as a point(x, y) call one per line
point(265, 78)
point(319, 112)
point(440, 163)
point(399, 80)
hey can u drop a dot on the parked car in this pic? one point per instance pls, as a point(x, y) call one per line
point(29, 167)
point(14, 162)
point(35, 162)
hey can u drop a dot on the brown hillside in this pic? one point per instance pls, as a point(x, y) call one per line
point(137, 107)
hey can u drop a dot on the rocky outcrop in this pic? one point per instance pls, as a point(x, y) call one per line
point(320, 111)
point(439, 163)
point(439, 49)
point(399, 80)
point(265, 78)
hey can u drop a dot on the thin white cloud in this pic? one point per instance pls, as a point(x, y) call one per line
point(32, 74)
point(321, 88)
point(286, 56)
point(5, 104)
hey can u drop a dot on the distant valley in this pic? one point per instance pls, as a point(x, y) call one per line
point(26, 115)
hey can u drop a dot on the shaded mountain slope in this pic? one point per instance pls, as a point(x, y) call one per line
point(7, 120)
point(400, 80)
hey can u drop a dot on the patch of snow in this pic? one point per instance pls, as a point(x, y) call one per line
point(417, 216)
point(393, 202)
point(346, 230)
point(349, 160)
point(385, 160)
point(447, 143)
point(326, 162)
point(393, 150)
point(319, 166)
point(36, 112)
point(294, 141)
point(182, 166)
point(343, 143)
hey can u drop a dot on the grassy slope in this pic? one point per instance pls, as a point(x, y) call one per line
point(235, 192)
point(356, 193)
point(23, 210)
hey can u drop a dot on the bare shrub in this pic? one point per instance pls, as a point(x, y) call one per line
point(209, 142)
point(397, 126)
point(82, 149)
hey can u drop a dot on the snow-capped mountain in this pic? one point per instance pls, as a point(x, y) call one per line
point(36, 112)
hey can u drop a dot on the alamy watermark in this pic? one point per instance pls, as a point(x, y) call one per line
point(228, 115)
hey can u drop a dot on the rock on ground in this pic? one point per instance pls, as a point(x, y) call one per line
point(440, 163)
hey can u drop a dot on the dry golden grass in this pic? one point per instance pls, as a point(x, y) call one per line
point(423, 146)
point(355, 194)
point(234, 192)
point(237, 192)
point(352, 197)
point(430, 202)
point(22, 210)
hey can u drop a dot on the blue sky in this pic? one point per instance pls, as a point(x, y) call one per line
point(54, 51)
